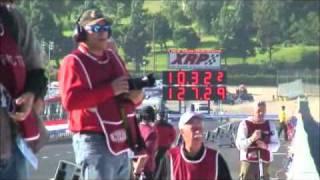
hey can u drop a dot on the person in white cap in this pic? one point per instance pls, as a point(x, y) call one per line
point(192, 159)
point(257, 139)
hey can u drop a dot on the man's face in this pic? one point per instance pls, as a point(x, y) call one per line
point(192, 132)
point(97, 35)
point(259, 113)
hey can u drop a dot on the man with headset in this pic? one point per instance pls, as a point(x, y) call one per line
point(91, 79)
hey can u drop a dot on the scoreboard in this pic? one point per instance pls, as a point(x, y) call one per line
point(194, 85)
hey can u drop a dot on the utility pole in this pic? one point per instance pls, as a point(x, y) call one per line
point(153, 46)
point(50, 46)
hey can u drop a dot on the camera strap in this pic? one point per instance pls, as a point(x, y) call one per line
point(124, 118)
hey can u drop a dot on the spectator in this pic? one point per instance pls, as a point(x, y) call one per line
point(150, 137)
point(193, 160)
point(22, 85)
point(256, 139)
point(283, 123)
point(95, 92)
point(166, 137)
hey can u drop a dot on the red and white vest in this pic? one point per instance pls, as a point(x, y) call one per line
point(13, 78)
point(252, 151)
point(112, 127)
point(183, 169)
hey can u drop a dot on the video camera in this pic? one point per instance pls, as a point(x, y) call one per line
point(265, 135)
point(141, 82)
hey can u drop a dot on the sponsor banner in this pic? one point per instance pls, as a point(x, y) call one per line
point(195, 59)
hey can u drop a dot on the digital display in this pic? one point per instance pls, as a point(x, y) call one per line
point(198, 77)
point(200, 93)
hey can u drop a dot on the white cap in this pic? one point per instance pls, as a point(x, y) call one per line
point(186, 117)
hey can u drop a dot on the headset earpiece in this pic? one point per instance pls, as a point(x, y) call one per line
point(109, 33)
point(80, 33)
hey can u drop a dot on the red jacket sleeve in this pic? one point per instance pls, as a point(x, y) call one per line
point(75, 90)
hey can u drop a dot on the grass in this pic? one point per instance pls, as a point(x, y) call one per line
point(67, 33)
point(283, 54)
point(280, 54)
point(153, 6)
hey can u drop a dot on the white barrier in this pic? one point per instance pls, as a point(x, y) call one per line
point(303, 166)
point(291, 90)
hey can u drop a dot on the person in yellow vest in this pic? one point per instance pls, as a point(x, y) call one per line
point(283, 123)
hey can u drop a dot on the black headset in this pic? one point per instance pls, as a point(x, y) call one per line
point(80, 33)
point(148, 114)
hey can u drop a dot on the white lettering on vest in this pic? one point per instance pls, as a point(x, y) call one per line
point(6, 59)
point(118, 136)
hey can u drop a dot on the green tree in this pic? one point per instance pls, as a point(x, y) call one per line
point(234, 30)
point(267, 19)
point(159, 28)
point(136, 37)
point(174, 13)
point(186, 38)
point(44, 21)
point(307, 30)
point(203, 12)
point(225, 29)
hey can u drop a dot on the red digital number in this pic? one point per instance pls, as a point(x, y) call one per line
point(220, 76)
point(195, 77)
point(207, 78)
point(195, 92)
point(181, 77)
point(221, 92)
point(170, 77)
point(181, 93)
point(169, 93)
point(207, 93)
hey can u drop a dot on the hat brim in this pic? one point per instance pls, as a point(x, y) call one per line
point(188, 118)
point(96, 21)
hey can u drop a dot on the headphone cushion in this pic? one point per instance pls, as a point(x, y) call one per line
point(80, 33)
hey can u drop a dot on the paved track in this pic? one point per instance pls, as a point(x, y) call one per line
point(52, 153)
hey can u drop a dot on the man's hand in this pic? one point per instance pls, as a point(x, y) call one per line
point(25, 104)
point(38, 106)
point(136, 96)
point(261, 144)
point(120, 85)
point(256, 135)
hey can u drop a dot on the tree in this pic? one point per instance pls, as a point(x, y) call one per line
point(175, 15)
point(234, 30)
point(267, 19)
point(307, 30)
point(162, 30)
point(186, 38)
point(203, 12)
point(43, 21)
point(137, 37)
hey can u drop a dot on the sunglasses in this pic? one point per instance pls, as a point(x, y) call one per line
point(98, 28)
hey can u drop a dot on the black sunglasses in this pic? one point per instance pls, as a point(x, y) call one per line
point(98, 28)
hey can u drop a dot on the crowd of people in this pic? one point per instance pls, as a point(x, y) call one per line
point(101, 105)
